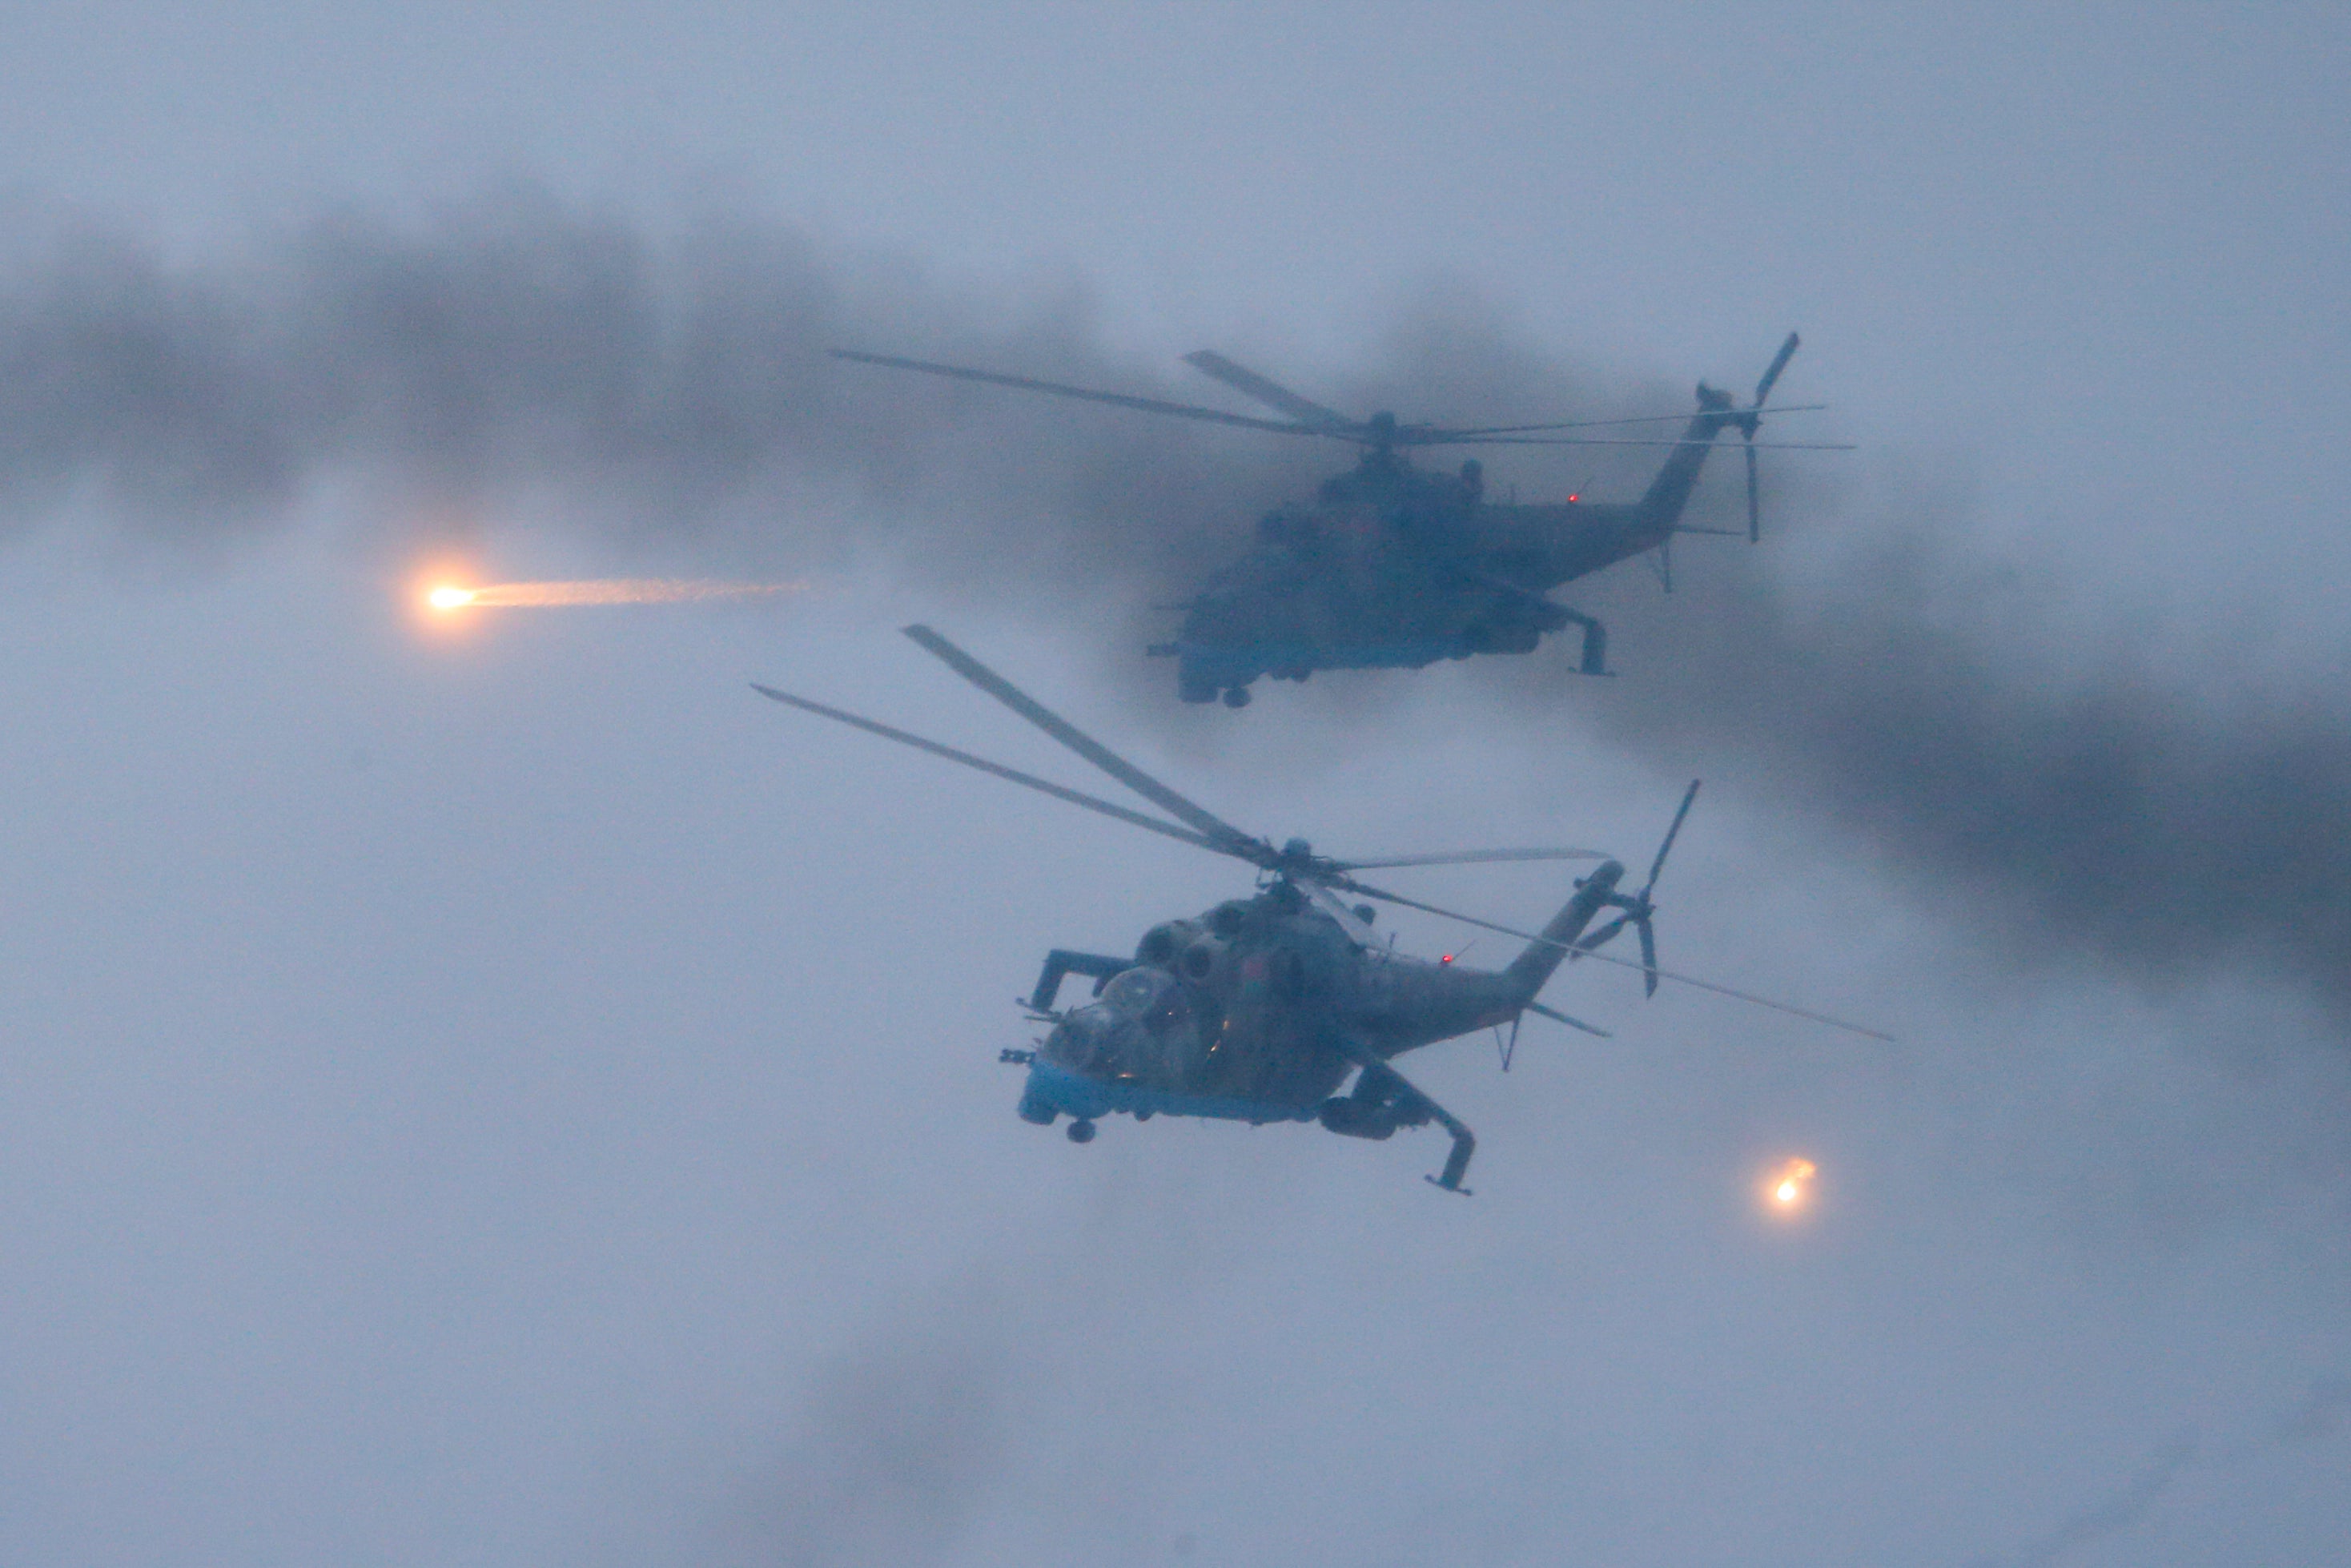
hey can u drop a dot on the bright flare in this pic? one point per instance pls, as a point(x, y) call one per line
point(1789, 1183)
point(603, 590)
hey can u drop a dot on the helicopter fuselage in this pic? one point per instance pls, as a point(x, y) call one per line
point(1396, 567)
point(1391, 566)
point(1258, 1009)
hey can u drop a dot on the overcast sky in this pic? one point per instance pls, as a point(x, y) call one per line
point(511, 1096)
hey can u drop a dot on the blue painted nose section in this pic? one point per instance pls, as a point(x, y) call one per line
point(1053, 1092)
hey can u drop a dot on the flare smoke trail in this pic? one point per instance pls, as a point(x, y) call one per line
point(600, 590)
point(514, 357)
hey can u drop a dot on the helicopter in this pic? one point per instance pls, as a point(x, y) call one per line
point(1391, 566)
point(1260, 1008)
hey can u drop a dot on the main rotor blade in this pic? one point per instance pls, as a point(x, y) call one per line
point(1558, 1017)
point(1589, 424)
point(1660, 864)
point(1074, 797)
point(1249, 383)
point(1220, 834)
point(1750, 997)
point(1353, 886)
point(1649, 955)
point(1470, 857)
point(1779, 363)
point(1416, 439)
point(1330, 904)
point(1120, 400)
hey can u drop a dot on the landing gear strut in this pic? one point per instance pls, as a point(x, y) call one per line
point(1383, 1100)
point(1595, 643)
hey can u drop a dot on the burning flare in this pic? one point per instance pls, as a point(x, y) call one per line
point(448, 597)
point(1791, 1183)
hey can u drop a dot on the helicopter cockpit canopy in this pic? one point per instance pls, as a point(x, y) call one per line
point(1138, 991)
point(1151, 997)
point(1140, 1027)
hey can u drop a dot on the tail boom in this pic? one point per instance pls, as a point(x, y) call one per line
point(1530, 969)
point(1661, 508)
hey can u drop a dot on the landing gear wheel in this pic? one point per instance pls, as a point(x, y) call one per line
point(1237, 697)
point(1082, 1131)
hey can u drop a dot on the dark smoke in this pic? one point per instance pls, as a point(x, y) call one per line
point(515, 358)
point(666, 393)
point(2042, 775)
point(2315, 1417)
point(2114, 1514)
point(895, 1462)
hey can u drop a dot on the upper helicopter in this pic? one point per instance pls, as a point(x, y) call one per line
point(1394, 566)
point(1259, 1009)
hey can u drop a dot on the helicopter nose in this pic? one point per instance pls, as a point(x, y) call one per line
point(1077, 1039)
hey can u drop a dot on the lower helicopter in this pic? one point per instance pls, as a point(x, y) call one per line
point(1261, 1009)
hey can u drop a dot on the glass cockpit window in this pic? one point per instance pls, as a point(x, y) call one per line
point(1137, 992)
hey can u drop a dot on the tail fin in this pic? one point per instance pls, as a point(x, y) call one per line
point(1670, 491)
point(1531, 968)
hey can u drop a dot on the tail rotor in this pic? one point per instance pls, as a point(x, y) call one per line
point(1750, 420)
point(1637, 911)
